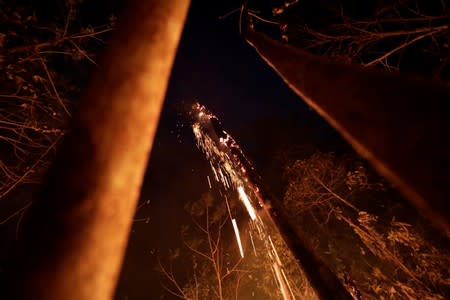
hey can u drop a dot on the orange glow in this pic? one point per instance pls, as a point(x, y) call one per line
point(238, 237)
point(246, 201)
point(283, 288)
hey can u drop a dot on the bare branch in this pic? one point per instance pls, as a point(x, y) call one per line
point(406, 44)
point(44, 65)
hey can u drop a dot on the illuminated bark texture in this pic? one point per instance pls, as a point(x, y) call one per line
point(401, 124)
point(74, 237)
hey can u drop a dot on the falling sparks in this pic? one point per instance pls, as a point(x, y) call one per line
point(253, 243)
point(248, 205)
point(233, 172)
point(238, 237)
point(209, 182)
point(275, 251)
point(228, 162)
point(288, 285)
point(283, 288)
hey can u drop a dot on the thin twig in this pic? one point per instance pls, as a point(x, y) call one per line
point(262, 19)
point(54, 87)
point(229, 13)
point(15, 213)
point(170, 276)
point(68, 20)
point(333, 193)
point(235, 11)
point(199, 252)
point(20, 219)
point(82, 52)
point(31, 168)
point(385, 56)
point(91, 35)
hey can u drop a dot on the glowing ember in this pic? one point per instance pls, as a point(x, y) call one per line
point(283, 288)
point(238, 237)
point(209, 182)
point(248, 205)
point(234, 172)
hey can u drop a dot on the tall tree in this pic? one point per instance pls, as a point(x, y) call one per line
point(76, 232)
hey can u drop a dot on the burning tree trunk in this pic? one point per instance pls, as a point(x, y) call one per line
point(75, 235)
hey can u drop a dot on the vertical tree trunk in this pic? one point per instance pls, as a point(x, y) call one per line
point(74, 238)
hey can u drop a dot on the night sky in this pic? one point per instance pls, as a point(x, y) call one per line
point(215, 66)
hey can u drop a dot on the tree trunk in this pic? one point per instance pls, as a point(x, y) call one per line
point(400, 123)
point(75, 235)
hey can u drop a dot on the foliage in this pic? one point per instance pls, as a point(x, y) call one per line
point(45, 61)
point(345, 210)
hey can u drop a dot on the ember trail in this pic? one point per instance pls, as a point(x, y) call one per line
point(233, 174)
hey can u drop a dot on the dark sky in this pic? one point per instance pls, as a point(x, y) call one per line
point(216, 66)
